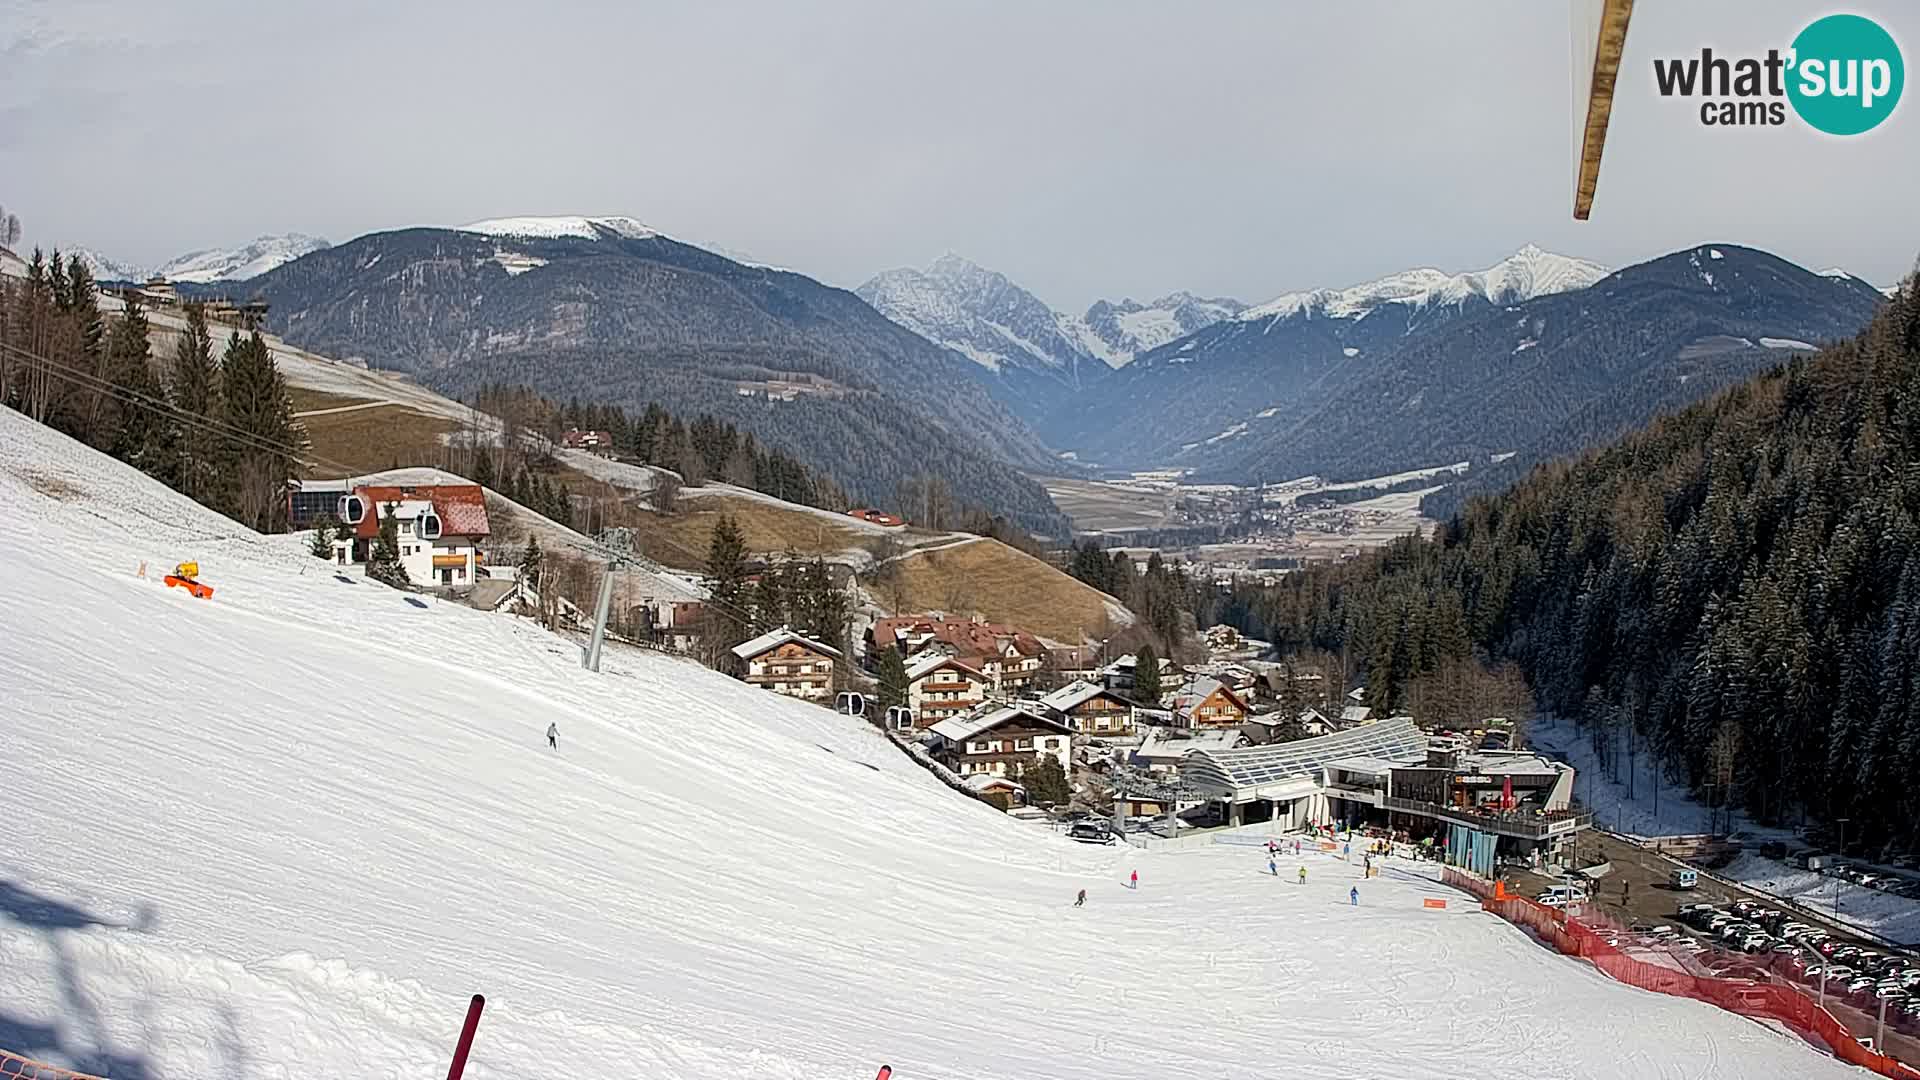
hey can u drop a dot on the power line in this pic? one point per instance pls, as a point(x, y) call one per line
point(206, 424)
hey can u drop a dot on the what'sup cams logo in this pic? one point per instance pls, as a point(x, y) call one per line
point(1842, 75)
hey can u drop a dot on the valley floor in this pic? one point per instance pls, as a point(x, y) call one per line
point(287, 831)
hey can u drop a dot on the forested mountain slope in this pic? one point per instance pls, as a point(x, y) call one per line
point(1738, 585)
point(615, 313)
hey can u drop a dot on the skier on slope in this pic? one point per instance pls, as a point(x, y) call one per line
point(1080, 901)
point(1303, 875)
point(553, 736)
point(1353, 896)
point(1135, 880)
point(1273, 867)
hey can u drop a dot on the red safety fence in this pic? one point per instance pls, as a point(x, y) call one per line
point(15, 1067)
point(1748, 997)
point(1466, 881)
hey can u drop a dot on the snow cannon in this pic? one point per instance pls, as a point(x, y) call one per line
point(186, 576)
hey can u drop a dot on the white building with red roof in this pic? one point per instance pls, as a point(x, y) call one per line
point(439, 528)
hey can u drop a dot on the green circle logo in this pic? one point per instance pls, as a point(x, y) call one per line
point(1847, 74)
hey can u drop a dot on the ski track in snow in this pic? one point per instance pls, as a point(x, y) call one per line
point(286, 832)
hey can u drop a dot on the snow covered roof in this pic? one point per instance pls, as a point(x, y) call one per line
point(927, 663)
point(962, 728)
point(1077, 693)
point(1165, 748)
point(1203, 688)
point(980, 782)
point(1355, 714)
point(746, 650)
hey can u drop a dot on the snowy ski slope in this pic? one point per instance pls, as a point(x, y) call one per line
point(286, 832)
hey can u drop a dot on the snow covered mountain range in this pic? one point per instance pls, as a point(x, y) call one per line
point(551, 228)
point(1525, 274)
point(212, 264)
point(1038, 351)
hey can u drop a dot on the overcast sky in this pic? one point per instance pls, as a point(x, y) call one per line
point(1097, 148)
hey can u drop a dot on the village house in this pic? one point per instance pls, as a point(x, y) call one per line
point(997, 790)
point(1093, 710)
point(1119, 674)
point(941, 686)
point(1265, 730)
point(1012, 658)
point(789, 663)
point(876, 517)
point(1162, 750)
point(593, 442)
point(438, 528)
point(1209, 703)
point(1002, 741)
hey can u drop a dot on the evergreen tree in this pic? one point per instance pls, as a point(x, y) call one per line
point(268, 452)
point(321, 546)
point(145, 434)
point(205, 467)
point(1046, 782)
point(1146, 676)
point(530, 560)
point(891, 670)
point(726, 576)
point(483, 467)
point(383, 563)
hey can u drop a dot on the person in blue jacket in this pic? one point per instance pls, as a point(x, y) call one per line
point(1353, 896)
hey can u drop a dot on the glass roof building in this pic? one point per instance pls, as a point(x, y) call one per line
point(1265, 772)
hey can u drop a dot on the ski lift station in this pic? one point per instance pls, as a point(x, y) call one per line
point(1498, 805)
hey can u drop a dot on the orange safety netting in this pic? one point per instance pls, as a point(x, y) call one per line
point(15, 1067)
point(1757, 997)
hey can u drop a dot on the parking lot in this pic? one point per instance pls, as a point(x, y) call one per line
point(1637, 893)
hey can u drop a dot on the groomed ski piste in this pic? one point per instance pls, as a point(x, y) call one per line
point(287, 831)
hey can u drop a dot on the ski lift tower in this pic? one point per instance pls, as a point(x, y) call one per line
point(1597, 30)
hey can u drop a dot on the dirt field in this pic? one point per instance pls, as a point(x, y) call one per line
point(680, 539)
point(369, 438)
point(1003, 584)
point(1094, 506)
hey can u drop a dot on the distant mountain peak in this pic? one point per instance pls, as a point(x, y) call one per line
point(565, 225)
point(209, 265)
point(250, 260)
point(1525, 274)
point(982, 314)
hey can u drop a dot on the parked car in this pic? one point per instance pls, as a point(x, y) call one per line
point(1091, 832)
point(1758, 941)
point(1684, 910)
point(1793, 929)
point(1745, 908)
point(1691, 945)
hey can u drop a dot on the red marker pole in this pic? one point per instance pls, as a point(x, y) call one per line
point(466, 1037)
